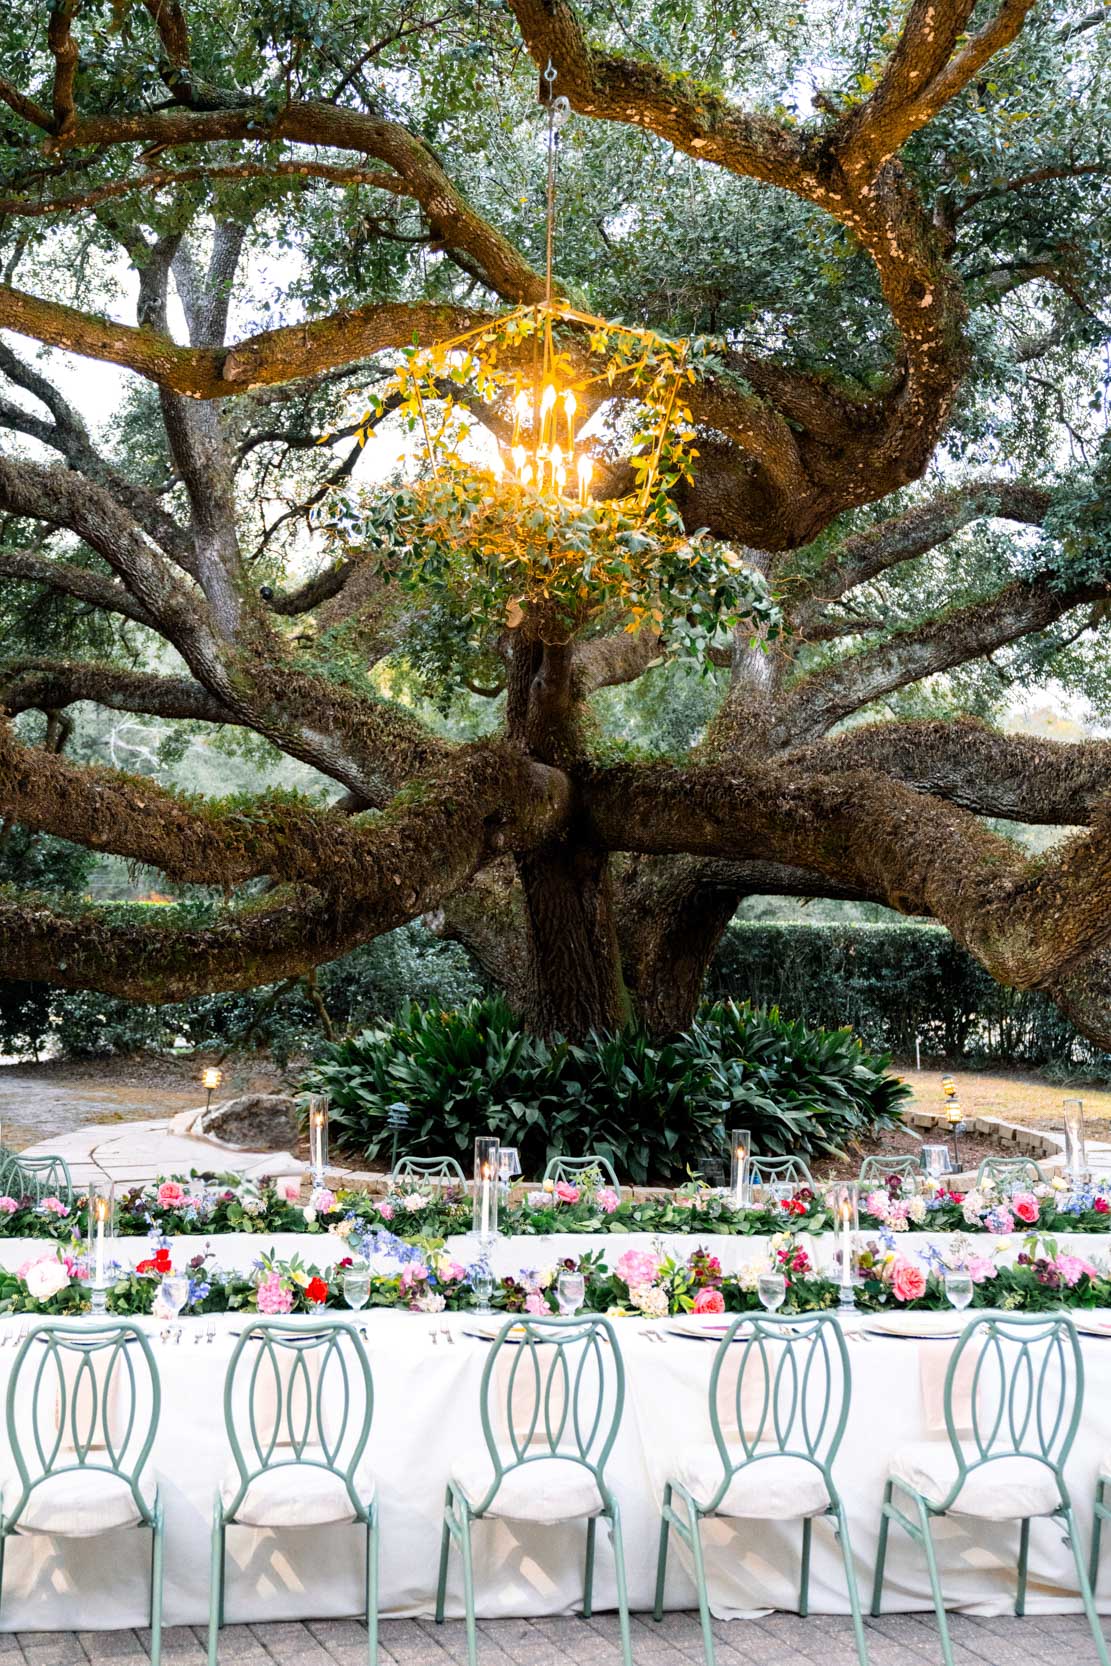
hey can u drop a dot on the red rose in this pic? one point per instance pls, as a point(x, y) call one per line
point(1101, 1206)
point(316, 1290)
point(346, 1262)
point(159, 1262)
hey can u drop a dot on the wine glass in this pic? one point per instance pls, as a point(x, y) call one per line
point(482, 1283)
point(772, 1290)
point(958, 1287)
point(173, 1293)
point(570, 1290)
point(356, 1286)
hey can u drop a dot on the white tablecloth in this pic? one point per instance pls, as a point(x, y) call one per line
point(512, 1254)
point(427, 1412)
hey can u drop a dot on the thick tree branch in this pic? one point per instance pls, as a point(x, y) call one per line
point(865, 555)
point(161, 179)
point(370, 874)
point(95, 589)
point(50, 685)
point(818, 701)
point(1028, 922)
point(1012, 777)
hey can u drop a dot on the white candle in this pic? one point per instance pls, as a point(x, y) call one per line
point(485, 1200)
point(739, 1183)
point(100, 1210)
point(846, 1246)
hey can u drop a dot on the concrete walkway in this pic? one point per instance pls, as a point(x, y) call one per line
point(778, 1640)
point(130, 1153)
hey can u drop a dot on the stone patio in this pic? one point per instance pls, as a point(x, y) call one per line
point(822, 1640)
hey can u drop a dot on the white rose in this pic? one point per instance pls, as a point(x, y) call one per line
point(309, 1213)
point(45, 1278)
point(546, 1278)
point(413, 1202)
point(916, 1209)
point(431, 1303)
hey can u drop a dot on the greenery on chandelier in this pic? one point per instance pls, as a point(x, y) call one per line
point(518, 539)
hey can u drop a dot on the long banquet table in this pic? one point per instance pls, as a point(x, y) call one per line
point(426, 1413)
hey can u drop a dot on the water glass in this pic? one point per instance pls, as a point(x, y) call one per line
point(958, 1288)
point(482, 1283)
point(570, 1290)
point(772, 1290)
point(173, 1293)
point(356, 1286)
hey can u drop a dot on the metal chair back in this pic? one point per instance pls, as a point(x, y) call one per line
point(440, 1171)
point(551, 1388)
point(876, 1171)
point(35, 1177)
point(297, 1396)
point(779, 1388)
point(575, 1169)
point(82, 1400)
point(1007, 1172)
point(1025, 1394)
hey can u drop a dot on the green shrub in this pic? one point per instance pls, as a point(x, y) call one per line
point(654, 1108)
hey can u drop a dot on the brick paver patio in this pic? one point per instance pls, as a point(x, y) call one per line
point(895, 1640)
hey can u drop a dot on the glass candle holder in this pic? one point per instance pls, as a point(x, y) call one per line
point(318, 1136)
point(101, 1237)
point(740, 1154)
point(1076, 1157)
point(486, 1187)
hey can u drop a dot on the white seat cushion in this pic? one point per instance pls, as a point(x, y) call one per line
point(541, 1490)
point(1006, 1489)
point(774, 1488)
point(291, 1494)
point(76, 1504)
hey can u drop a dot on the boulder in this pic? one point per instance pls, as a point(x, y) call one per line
point(253, 1122)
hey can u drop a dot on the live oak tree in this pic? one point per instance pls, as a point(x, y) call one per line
point(885, 229)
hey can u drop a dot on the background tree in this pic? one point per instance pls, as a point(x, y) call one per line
point(891, 232)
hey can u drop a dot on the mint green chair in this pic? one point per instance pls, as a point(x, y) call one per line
point(82, 1413)
point(298, 1405)
point(779, 1171)
point(556, 1390)
point(784, 1387)
point(876, 1171)
point(1007, 1463)
point(35, 1177)
point(1007, 1172)
point(572, 1169)
point(440, 1170)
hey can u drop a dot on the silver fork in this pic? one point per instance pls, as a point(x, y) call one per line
point(446, 1331)
point(210, 1330)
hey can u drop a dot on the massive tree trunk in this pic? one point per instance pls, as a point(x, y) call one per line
point(574, 978)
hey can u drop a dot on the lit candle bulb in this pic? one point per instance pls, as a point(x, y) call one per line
point(522, 411)
point(585, 469)
point(570, 405)
point(560, 475)
point(526, 474)
point(519, 456)
point(557, 456)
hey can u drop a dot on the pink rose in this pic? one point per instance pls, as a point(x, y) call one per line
point(876, 1204)
point(709, 1301)
point(535, 1303)
point(386, 1211)
point(979, 1269)
point(170, 1194)
point(54, 1206)
point(8, 1206)
point(1025, 1205)
point(565, 1192)
point(637, 1267)
point(411, 1275)
point(288, 1187)
point(607, 1200)
point(908, 1282)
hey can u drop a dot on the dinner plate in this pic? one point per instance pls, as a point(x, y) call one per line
point(915, 1327)
point(1090, 1324)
